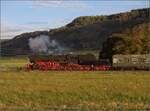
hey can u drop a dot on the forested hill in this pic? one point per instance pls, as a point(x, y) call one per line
point(87, 32)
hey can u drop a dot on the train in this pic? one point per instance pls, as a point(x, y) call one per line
point(131, 62)
point(88, 62)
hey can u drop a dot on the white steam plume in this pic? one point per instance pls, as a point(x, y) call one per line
point(43, 44)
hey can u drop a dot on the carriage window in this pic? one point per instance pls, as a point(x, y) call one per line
point(148, 60)
point(134, 59)
point(142, 59)
point(115, 60)
point(127, 60)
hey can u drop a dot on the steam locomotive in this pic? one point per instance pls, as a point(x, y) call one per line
point(88, 62)
point(68, 62)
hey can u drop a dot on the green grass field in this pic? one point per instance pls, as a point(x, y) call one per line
point(78, 90)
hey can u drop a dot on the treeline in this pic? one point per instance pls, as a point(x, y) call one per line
point(131, 41)
point(86, 20)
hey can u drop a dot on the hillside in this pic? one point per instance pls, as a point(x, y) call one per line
point(86, 33)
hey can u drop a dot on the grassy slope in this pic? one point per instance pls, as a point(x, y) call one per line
point(92, 90)
point(20, 90)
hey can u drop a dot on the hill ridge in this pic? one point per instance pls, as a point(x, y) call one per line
point(83, 33)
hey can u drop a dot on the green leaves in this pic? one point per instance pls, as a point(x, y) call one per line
point(125, 44)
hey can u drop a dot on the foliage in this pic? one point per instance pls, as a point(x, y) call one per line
point(134, 42)
point(86, 20)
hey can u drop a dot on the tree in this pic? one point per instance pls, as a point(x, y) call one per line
point(119, 44)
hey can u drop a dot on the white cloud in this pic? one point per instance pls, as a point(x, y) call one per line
point(56, 23)
point(47, 2)
point(61, 4)
point(9, 30)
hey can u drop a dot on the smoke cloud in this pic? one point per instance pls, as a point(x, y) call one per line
point(43, 44)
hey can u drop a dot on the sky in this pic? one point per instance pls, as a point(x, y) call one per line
point(19, 16)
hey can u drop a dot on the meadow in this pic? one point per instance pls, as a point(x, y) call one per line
point(76, 91)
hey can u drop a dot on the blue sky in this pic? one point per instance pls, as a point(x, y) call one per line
point(26, 16)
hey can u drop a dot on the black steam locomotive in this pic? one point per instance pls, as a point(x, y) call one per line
point(86, 59)
point(87, 62)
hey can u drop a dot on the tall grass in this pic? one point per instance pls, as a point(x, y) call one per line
point(37, 90)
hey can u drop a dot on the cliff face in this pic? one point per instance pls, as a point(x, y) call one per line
point(85, 33)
